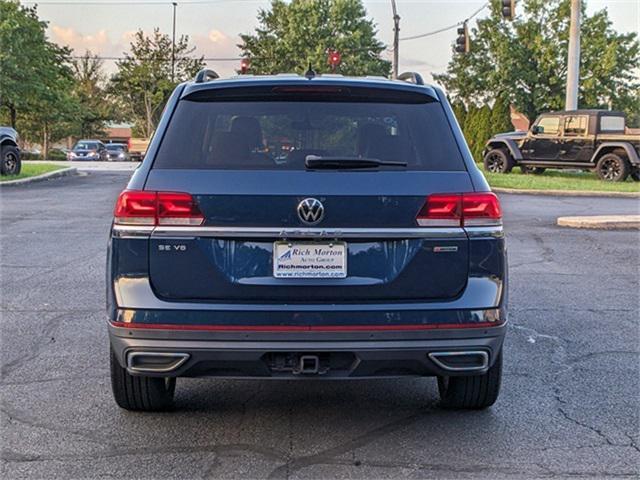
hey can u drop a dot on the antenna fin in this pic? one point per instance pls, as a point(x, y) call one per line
point(310, 73)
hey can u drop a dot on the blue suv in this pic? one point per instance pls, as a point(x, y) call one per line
point(316, 227)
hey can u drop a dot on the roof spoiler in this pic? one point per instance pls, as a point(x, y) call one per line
point(411, 77)
point(206, 75)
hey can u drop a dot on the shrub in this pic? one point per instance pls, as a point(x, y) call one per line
point(57, 154)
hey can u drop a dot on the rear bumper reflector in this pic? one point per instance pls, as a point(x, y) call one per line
point(303, 328)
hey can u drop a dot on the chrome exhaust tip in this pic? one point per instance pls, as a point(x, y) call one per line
point(155, 362)
point(463, 361)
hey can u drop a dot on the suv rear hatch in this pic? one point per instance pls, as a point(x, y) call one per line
point(241, 154)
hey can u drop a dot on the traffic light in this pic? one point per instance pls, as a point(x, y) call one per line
point(509, 9)
point(245, 63)
point(462, 42)
point(333, 59)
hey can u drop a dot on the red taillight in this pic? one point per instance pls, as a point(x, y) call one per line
point(467, 209)
point(481, 209)
point(441, 211)
point(178, 209)
point(135, 207)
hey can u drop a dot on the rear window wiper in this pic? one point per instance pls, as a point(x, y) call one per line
point(315, 161)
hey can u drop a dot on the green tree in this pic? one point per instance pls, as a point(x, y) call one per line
point(470, 125)
point(526, 60)
point(144, 82)
point(500, 119)
point(478, 129)
point(460, 111)
point(22, 45)
point(293, 34)
point(36, 80)
point(95, 106)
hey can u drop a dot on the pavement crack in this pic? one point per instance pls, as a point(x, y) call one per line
point(11, 456)
point(560, 309)
point(534, 336)
point(18, 416)
point(566, 364)
point(243, 408)
point(589, 356)
point(57, 268)
point(51, 310)
point(114, 451)
point(584, 425)
point(292, 465)
point(53, 379)
point(287, 465)
point(36, 347)
point(632, 441)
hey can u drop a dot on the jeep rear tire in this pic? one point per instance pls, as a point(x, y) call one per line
point(612, 168)
point(471, 392)
point(635, 174)
point(10, 163)
point(147, 394)
point(498, 160)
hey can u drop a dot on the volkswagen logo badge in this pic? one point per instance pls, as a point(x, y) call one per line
point(310, 211)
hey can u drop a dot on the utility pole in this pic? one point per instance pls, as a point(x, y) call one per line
point(396, 38)
point(573, 60)
point(173, 44)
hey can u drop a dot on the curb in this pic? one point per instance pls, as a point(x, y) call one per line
point(65, 172)
point(568, 193)
point(604, 222)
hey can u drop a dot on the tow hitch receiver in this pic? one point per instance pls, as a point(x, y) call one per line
point(299, 363)
point(308, 365)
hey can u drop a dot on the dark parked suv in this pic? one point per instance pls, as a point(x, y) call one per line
point(88, 150)
point(319, 228)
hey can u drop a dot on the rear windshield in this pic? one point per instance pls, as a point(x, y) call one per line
point(86, 146)
point(278, 135)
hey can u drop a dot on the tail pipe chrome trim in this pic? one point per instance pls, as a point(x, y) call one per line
point(156, 362)
point(439, 358)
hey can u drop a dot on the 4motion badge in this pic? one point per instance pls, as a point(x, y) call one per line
point(445, 249)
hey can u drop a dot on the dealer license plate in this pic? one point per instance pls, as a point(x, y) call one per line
point(309, 260)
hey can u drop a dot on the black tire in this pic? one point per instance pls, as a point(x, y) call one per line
point(635, 174)
point(147, 394)
point(10, 164)
point(613, 168)
point(498, 160)
point(471, 392)
point(532, 170)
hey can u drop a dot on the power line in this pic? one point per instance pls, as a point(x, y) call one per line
point(219, 59)
point(198, 2)
point(210, 2)
point(450, 27)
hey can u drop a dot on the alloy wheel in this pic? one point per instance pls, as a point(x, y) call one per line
point(611, 169)
point(495, 163)
point(10, 162)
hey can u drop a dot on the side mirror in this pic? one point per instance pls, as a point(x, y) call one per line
point(536, 130)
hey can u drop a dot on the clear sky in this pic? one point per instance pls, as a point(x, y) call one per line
point(214, 25)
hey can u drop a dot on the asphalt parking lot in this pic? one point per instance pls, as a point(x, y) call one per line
point(569, 402)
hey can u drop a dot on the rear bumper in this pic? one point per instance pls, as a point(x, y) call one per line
point(349, 355)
